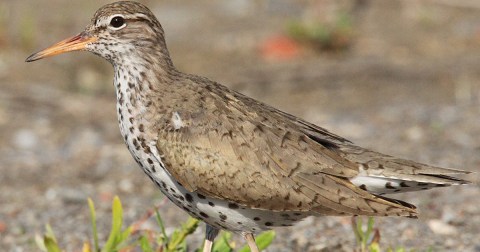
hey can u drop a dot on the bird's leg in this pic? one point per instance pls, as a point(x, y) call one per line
point(251, 242)
point(210, 235)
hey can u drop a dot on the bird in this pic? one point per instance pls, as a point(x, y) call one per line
point(234, 162)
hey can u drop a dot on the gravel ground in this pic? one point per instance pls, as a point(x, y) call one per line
point(409, 85)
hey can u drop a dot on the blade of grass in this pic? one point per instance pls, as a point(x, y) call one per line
point(162, 227)
point(265, 239)
point(356, 230)
point(223, 244)
point(40, 242)
point(145, 244)
point(117, 219)
point(51, 244)
point(179, 236)
point(371, 222)
point(93, 218)
point(86, 247)
point(50, 233)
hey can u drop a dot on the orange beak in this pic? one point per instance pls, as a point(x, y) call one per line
point(74, 43)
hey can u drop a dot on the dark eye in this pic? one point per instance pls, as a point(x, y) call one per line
point(117, 22)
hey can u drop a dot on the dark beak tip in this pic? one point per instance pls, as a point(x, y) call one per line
point(31, 58)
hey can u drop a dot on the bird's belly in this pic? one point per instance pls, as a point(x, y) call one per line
point(219, 213)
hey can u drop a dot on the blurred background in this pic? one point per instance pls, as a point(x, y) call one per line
point(399, 76)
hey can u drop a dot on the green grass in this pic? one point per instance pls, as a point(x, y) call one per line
point(367, 238)
point(132, 238)
point(335, 36)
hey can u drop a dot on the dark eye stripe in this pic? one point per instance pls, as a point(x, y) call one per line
point(139, 19)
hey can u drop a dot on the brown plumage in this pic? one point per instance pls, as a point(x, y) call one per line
point(228, 159)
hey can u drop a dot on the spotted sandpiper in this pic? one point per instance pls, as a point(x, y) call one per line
point(234, 162)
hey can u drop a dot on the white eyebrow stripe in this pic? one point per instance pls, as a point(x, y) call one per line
point(105, 21)
point(138, 15)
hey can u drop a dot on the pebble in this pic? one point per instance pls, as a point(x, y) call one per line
point(25, 139)
point(414, 133)
point(126, 185)
point(439, 227)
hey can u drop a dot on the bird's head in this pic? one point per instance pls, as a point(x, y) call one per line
point(118, 32)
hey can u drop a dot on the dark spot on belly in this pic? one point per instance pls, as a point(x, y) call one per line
point(187, 209)
point(388, 185)
point(189, 197)
point(256, 218)
point(268, 224)
point(232, 206)
point(223, 217)
point(147, 150)
point(201, 196)
point(211, 203)
point(204, 215)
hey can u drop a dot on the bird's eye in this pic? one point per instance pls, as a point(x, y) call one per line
point(117, 22)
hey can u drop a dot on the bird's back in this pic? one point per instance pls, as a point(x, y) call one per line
point(253, 154)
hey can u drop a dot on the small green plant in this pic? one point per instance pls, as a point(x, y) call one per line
point(368, 238)
point(133, 238)
point(336, 36)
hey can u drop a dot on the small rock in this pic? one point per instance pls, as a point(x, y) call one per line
point(126, 185)
point(73, 196)
point(449, 215)
point(51, 194)
point(442, 228)
point(414, 133)
point(25, 139)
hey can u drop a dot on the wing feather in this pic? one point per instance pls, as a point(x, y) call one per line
point(259, 157)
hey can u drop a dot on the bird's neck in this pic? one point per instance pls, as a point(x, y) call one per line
point(137, 86)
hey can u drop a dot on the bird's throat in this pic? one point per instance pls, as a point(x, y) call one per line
point(134, 88)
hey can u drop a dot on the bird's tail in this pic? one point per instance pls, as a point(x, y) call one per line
point(381, 174)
